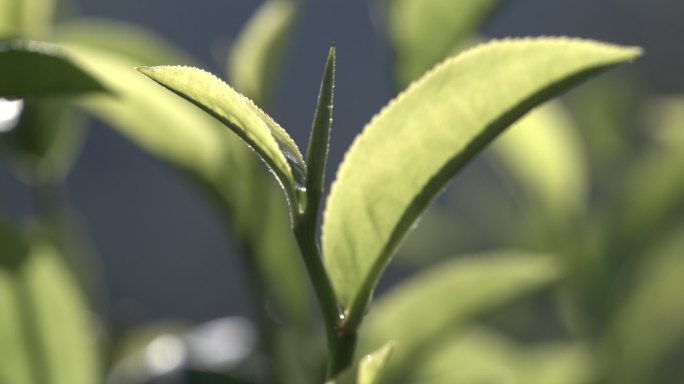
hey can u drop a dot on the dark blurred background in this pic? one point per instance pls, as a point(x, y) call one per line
point(162, 250)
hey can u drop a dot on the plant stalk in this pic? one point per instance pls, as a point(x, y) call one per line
point(305, 233)
point(341, 344)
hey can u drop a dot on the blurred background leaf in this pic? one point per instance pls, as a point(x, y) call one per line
point(39, 70)
point(369, 369)
point(449, 296)
point(44, 322)
point(256, 56)
point(423, 32)
point(26, 18)
point(478, 355)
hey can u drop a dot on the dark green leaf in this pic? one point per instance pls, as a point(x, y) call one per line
point(46, 140)
point(317, 152)
point(33, 69)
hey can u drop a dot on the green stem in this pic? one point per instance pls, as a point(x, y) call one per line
point(341, 344)
point(305, 233)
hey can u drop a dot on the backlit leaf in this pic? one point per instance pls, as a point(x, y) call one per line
point(243, 117)
point(416, 144)
point(449, 296)
point(258, 50)
point(189, 139)
point(368, 370)
point(156, 120)
point(45, 333)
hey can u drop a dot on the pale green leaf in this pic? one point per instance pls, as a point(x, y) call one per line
point(483, 356)
point(450, 295)
point(31, 69)
point(138, 44)
point(259, 214)
point(606, 111)
point(416, 144)
point(544, 154)
point(654, 304)
point(650, 195)
point(156, 120)
point(665, 116)
point(26, 18)
point(45, 331)
point(424, 32)
point(258, 50)
point(189, 139)
point(369, 370)
point(243, 117)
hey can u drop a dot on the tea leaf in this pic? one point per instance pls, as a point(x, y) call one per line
point(650, 195)
point(666, 115)
point(425, 32)
point(38, 69)
point(483, 356)
point(134, 42)
point(243, 117)
point(43, 318)
point(258, 50)
point(317, 151)
point(654, 304)
point(221, 165)
point(156, 120)
point(544, 153)
point(26, 18)
point(448, 296)
point(416, 144)
point(368, 370)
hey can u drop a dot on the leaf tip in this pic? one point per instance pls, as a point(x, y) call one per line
point(331, 54)
point(145, 70)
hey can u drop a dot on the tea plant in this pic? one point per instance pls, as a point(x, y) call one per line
point(405, 156)
point(392, 172)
